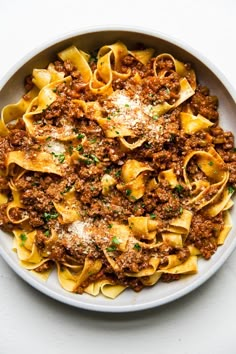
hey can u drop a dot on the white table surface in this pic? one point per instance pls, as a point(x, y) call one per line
point(202, 322)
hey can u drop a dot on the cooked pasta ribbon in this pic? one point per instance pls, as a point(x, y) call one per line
point(79, 59)
point(192, 124)
point(13, 112)
point(40, 161)
point(212, 165)
point(188, 267)
point(106, 287)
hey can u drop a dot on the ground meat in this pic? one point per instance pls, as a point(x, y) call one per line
point(44, 267)
point(35, 219)
point(28, 83)
point(203, 233)
point(3, 217)
point(4, 183)
point(232, 176)
point(204, 104)
point(36, 199)
point(4, 149)
point(167, 278)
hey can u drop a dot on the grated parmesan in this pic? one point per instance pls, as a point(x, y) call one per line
point(80, 229)
point(133, 114)
point(55, 147)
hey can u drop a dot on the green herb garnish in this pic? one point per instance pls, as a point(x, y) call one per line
point(60, 157)
point(128, 192)
point(80, 136)
point(23, 238)
point(111, 248)
point(115, 240)
point(231, 189)
point(48, 216)
point(178, 188)
point(137, 247)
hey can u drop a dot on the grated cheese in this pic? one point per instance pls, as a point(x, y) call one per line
point(133, 114)
point(80, 229)
point(55, 147)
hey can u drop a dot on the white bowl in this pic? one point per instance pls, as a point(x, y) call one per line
point(11, 89)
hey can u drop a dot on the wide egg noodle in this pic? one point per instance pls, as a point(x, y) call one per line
point(70, 281)
point(133, 176)
point(143, 56)
point(180, 68)
point(39, 161)
point(13, 112)
point(168, 176)
point(27, 252)
point(213, 167)
point(172, 238)
point(226, 228)
point(121, 233)
point(43, 77)
point(187, 267)
point(79, 59)
point(107, 182)
point(192, 124)
point(186, 91)
point(15, 204)
point(69, 209)
point(45, 98)
point(182, 223)
point(143, 227)
point(106, 288)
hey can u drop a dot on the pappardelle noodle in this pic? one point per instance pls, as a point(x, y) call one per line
point(114, 170)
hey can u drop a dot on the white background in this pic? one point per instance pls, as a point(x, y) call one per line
point(202, 322)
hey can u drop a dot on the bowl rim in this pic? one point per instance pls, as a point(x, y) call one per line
point(26, 276)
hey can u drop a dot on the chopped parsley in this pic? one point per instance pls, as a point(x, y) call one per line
point(115, 240)
point(91, 159)
point(111, 248)
point(60, 157)
point(210, 163)
point(118, 173)
point(70, 149)
point(231, 189)
point(95, 159)
point(48, 216)
point(153, 216)
point(93, 141)
point(80, 148)
point(178, 188)
point(128, 192)
point(23, 238)
point(80, 136)
point(155, 116)
point(47, 233)
point(109, 226)
point(137, 247)
point(67, 188)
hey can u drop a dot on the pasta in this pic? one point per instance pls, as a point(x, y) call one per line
point(114, 171)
